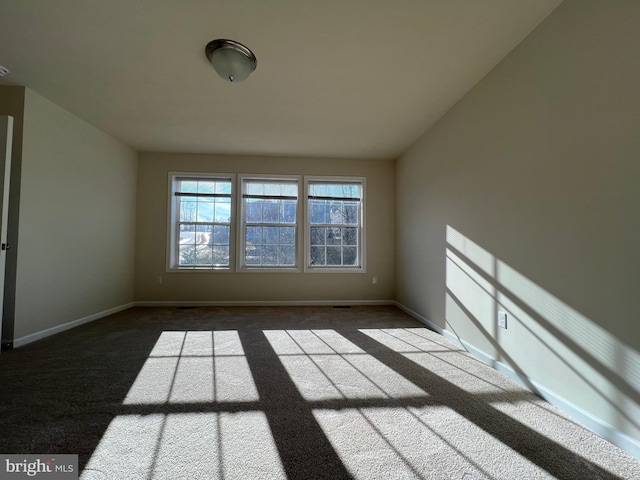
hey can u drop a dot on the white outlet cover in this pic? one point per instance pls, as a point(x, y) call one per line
point(502, 319)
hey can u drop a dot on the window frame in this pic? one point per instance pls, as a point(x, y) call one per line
point(237, 223)
point(244, 179)
point(361, 268)
point(173, 242)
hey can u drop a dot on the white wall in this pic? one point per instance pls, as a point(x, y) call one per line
point(77, 221)
point(524, 198)
point(261, 286)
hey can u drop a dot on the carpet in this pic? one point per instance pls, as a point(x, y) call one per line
point(283, 393)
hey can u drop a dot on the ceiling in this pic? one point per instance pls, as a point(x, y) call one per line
point(335, 78)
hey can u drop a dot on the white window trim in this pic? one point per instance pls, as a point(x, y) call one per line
point(240, 242)
point(171, 246)
point(307, 226)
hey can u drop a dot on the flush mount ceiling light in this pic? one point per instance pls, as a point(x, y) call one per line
point(233, 61)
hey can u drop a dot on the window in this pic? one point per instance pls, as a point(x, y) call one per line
point(263, 226)
point(269, 223)
point(201, 211)
point(334, 224)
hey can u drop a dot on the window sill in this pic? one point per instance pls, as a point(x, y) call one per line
point(269, 270)
point(335, 270)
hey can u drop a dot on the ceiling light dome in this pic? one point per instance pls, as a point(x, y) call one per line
point(231, 60)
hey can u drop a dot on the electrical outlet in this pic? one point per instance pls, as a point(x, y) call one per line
point(374, 281)
point(159, 280)
point(502, 319)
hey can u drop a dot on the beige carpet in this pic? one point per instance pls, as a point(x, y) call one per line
point(275, 393)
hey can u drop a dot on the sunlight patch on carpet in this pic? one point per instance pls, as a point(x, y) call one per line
point(407, 443)
point(324, 365)
point(194, 367)
point(186, 445)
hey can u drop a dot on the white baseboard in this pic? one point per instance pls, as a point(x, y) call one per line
point(32, 337)
point(261, 303)
point(420, 318)
point(591, 422)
